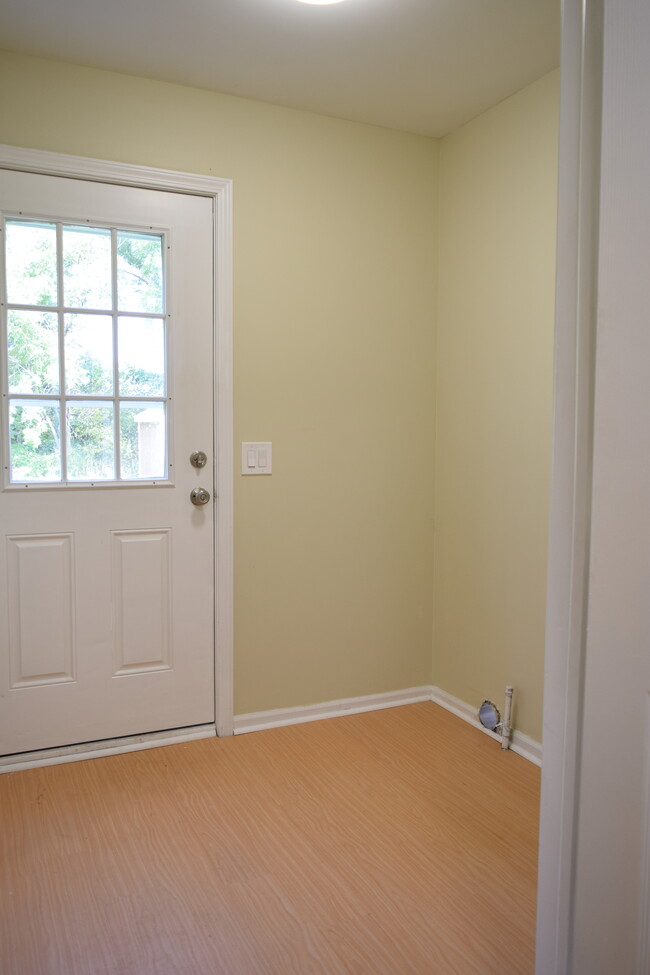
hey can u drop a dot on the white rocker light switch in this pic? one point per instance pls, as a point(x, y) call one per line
point(256, 458)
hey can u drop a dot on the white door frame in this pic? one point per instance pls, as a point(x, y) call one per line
point(220, 192)
point(570, 514)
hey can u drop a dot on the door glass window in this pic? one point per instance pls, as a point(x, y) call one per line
point(86, 354)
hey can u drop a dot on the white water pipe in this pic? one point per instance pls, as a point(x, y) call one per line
point(505, 724)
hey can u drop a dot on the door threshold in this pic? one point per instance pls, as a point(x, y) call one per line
point(110, 746)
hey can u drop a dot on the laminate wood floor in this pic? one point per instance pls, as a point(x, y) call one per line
point(396, 842)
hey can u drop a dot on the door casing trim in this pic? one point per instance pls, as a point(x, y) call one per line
point(220, 191)
point(567, 606)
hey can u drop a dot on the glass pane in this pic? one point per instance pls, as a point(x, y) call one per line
point(89, 354)
point(33, 351)
point(139, 272)
point(35, 437)
point(31, 263)
point(141, 356)
point(91, 456)
point(142, 440)
point(87, 278)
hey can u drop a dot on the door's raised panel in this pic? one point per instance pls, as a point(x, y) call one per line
point(142, 598)
point(41, 604)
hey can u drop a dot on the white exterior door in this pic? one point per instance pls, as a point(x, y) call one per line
point(106, 565)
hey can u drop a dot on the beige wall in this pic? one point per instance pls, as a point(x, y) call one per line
point(336, 270)
point(493, 408)
point(335, 257)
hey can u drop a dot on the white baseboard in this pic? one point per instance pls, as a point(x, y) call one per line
point(278, 718)
point(520, 744)
point(98, 749)
point(258, 720)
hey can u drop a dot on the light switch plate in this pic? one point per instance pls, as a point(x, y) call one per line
point(257, 458)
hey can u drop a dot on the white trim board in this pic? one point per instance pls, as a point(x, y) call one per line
point(259, 720)
point(278, 718)
point(569, 537)
point(220, 192)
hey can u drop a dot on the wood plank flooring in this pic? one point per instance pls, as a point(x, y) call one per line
point(397, 842)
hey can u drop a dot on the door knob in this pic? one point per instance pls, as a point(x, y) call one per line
point(199, 496)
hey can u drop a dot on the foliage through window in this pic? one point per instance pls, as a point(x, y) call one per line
point(85, 353)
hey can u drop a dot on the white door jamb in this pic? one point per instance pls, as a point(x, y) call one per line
point(570, 515)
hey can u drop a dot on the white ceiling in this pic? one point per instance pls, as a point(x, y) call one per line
point(424, 66)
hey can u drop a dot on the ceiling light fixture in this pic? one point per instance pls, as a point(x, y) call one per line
point(321, 2)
